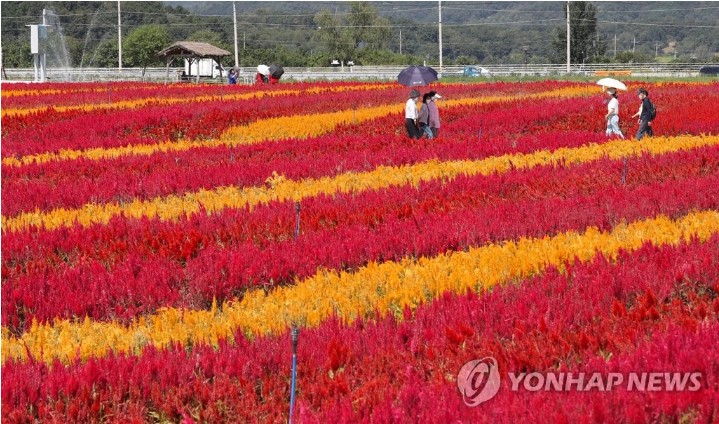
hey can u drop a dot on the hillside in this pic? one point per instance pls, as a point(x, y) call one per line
point(499, 30)
point(286, 32)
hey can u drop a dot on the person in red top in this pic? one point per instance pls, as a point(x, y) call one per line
point(260, 79)
point(273, 79)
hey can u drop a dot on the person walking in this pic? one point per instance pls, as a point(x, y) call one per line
point(612, 116)
point(232, 76)
point(410, 115)
point(434, 113)
point(424, 116)
point(644, 114)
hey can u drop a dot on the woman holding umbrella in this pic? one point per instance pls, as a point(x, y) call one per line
point(276, 72)
point(262, 76)
point(612, 116)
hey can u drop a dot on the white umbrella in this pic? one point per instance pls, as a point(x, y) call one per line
point(263, 69)
point(612, 83)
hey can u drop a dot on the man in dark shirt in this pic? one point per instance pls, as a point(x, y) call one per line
point(644, 114)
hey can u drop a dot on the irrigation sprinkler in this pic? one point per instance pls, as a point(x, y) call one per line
point(297, 220)
point(295, 336)
point(624, 171)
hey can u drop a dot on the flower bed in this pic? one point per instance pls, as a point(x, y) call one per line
point(151, 263)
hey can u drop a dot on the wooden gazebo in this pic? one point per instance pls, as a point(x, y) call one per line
point(192, 51)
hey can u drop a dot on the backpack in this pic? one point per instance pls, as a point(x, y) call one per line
point(652, 110)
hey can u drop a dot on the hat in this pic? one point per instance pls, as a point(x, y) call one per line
point(643, 91)
point(436, 96)
point(413, 93)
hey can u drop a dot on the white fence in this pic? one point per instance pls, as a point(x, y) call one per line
point(382, 73)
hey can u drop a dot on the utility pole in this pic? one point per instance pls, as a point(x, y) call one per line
point(234, 24)
point(656, 48)
point(615, 44)
point(119, 38)
point(441, 69)
point(400, 41)
point(634, 45)
point(243, 40)
point(569, 60)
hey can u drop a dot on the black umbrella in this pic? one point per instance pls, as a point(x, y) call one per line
point(276, 71)
point(417, 75)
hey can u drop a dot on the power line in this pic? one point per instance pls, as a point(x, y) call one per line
point(246, 22)
point(380, 11)
point(661, 10)
point(542, 21)
point(659, 25)
point(391, 26)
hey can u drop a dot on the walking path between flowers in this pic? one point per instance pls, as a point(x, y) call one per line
point(387, 287)
point(280, 189)
point(297, 126)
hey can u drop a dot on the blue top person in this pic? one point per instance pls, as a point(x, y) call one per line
point(232, 76)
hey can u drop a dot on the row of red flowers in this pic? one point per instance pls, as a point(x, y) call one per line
point(82, 129)
point(22, 96)
point(470, 133)
point(128, 268)
point(654, 310)
point(72, 183)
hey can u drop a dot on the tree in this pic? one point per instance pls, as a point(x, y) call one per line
point(362, 30)
point(585, 44)
point(629, 56)
point(333, 35)
point(211, 37)
point(104, 55)
point(141, 46)
point(16, 53)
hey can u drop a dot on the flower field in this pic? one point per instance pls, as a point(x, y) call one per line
point(160, 241)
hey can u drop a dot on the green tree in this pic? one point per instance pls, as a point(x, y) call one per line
point(211, 37)
point(141, 46)
point(361, 30)
point(633, 57)
point(585, 45)
point(16, 53)
point(331, 33)
point(104, 55)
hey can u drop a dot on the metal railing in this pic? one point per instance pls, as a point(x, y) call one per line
point(380, 73)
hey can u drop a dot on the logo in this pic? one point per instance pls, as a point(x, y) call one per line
point(478, 381)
